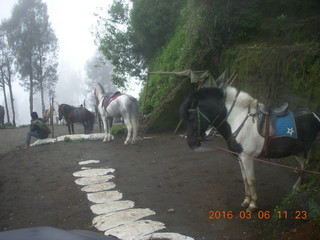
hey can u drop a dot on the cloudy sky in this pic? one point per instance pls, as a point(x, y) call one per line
point(72, 21)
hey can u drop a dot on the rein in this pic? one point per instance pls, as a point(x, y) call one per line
point(199, 115)
point(235, 134)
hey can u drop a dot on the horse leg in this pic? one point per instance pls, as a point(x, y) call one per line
point(72, 127)
point(135, 126)
point(69, 129)
point(247, 169)
point(110, 122)
point(107, 129)
point(105, 126)
point(129, 128)
point(302, 161)
point(85, 125)
point(247, 199)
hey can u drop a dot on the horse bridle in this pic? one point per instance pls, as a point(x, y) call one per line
point(216, 129)
point(199, 115)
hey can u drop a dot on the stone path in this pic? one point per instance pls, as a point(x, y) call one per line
point(115, 216)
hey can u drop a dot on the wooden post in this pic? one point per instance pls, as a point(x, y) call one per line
point(145, 95)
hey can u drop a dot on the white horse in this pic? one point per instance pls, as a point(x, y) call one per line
point(248, 129)
point(117, 105)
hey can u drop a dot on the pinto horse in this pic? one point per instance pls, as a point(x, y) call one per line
point(48, 113)
point(117, 105)
point(76, 114)
point(2, 116)
point(235, 115)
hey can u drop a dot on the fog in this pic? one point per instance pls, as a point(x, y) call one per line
point(72, 21)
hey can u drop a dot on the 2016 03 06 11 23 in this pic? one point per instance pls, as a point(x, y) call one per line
point(229, 214)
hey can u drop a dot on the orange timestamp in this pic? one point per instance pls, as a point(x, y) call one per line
point(298, 215)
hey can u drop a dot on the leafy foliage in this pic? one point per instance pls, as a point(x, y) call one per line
point(153, 23)
point(128, 41)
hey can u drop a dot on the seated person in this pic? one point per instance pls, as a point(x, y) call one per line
point(38, 129)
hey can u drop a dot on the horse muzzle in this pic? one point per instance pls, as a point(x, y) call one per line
point(197, 147)
point(194, 144)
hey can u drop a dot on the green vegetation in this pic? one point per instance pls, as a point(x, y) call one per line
point(117, 130)
point(67, 139)
point(8, 124)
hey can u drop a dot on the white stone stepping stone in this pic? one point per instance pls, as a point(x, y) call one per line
point(44, 141)
point(73, 137)
point(110, 207)
point(99, 187)
point(116, 219)
point(163, 235)
point(93, 180)
point(84, 168)
point(88, 162)
point(104, 197)
point(93, 172)
point(96, 136)
point(135, 229)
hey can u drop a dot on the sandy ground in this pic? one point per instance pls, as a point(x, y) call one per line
point(160, 172)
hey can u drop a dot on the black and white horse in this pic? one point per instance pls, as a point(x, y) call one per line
point(235, 115)
point(114, 106)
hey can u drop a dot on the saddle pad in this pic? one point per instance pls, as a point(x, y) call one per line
point(286, 126)
point(108, 100)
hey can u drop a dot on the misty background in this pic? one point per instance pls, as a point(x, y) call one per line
point(72, 21)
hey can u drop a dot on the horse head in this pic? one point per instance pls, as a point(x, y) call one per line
point(98, 92)
point(60, 111)
point(202, 110)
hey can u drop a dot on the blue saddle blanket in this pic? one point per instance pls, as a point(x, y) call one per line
point(286, 126)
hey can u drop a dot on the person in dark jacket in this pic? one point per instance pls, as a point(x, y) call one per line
point(38, 129)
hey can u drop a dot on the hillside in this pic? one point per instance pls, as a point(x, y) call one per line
point(273, 47)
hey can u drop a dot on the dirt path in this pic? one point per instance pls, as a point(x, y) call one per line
point(37, 187)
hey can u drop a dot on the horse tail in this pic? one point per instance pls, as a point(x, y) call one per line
point(317, 120)
point(134, 117)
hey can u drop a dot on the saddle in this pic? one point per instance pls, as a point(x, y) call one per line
point(108, 99)
point(267, 118)
point(267, 122)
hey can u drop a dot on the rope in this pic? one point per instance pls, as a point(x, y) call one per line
point(263, 161)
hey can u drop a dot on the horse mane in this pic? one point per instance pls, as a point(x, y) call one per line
point(100, 88)
point(243, 99)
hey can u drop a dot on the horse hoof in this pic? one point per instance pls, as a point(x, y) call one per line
point(252, 208)
point(245, 204)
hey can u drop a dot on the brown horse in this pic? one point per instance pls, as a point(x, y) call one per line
point(73, 114)
point(48, 113)
point(2, 112)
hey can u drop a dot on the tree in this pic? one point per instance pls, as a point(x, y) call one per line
point(46, 64)
point(99, 71)
point(153, 22)
point(6, 68)
point(113, 37)
point(130, 38)
point(34, 46)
